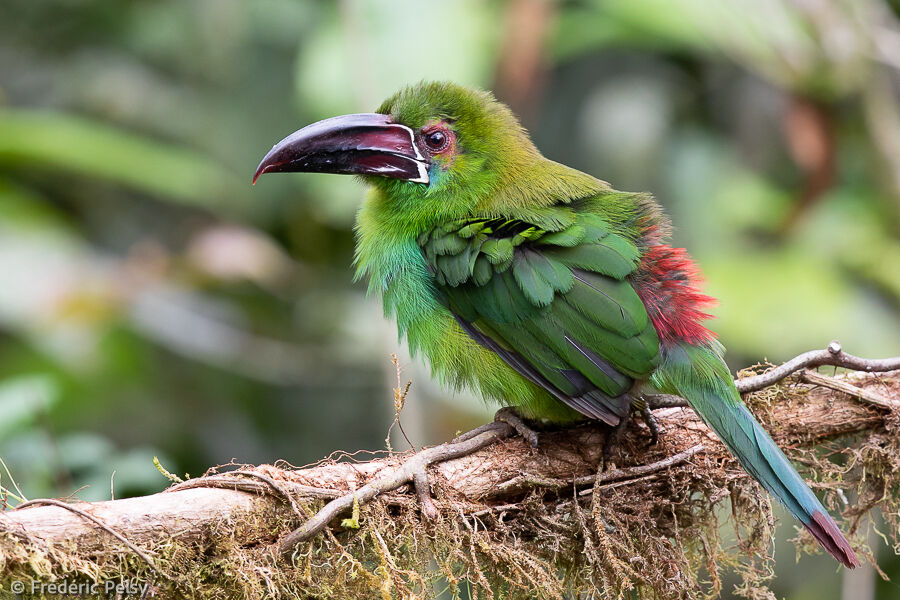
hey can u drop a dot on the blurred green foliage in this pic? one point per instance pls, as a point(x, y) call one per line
point(152, 303)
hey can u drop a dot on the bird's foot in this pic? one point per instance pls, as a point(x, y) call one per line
point(651, 423)
point(612, 438)
point(423, 493)
point(511, 417)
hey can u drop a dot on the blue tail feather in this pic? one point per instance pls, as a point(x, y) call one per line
point(699, 375)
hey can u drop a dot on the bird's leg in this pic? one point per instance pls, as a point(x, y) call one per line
point(615, 433)
point(639, 403)
point(612, 437)
point(511, 417)
point(651, 423)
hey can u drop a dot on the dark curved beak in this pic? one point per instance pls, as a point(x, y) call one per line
point(363, 144)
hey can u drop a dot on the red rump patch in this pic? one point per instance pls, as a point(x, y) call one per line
point(668, 282)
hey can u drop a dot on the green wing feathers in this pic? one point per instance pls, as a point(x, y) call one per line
point(550, 296)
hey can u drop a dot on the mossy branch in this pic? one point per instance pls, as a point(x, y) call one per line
point(504, 517)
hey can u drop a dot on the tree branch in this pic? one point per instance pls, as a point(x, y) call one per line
point(483, 474)
point(833, 356)
point(392, 480)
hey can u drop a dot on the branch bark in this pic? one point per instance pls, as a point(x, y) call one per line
point(483, 471)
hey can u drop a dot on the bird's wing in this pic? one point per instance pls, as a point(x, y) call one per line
point(549, 293)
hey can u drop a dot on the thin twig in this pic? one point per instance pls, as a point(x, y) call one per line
point(275, 486)
point(392, 480)
point(468, 435)
point(526, 481)
point(867, 396)
point(833, 356)
point(22, 497)
point(494, 509)
point(640, 470)
point(228, 482)
point(614, 484)
point(95, 520)
point(400, 393)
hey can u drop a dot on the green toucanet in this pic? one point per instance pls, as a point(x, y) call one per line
point(532, 282)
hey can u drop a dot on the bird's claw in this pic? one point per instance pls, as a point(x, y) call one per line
point(511, 417)
point(651, 423)
point(612, 437)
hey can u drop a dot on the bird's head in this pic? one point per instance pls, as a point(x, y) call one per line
point(434, 147)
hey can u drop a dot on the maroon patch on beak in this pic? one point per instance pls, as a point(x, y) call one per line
point(362, 144)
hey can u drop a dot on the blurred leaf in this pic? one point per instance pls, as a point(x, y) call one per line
point(815, 48)
point(83, 450)
point(92, 459)
point(88, 459)
point(26, 211)
point(58, 141)
point(367, 50)
point(776, 304)
point(21, 398)
point(648, 24)
point(881, 269)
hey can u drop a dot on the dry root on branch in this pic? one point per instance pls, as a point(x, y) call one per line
point(499, 514)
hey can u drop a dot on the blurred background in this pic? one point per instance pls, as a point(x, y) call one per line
point(153, 303)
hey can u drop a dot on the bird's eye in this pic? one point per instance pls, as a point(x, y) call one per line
point(436, 140)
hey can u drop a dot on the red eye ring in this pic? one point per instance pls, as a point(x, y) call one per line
point(436, 139)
